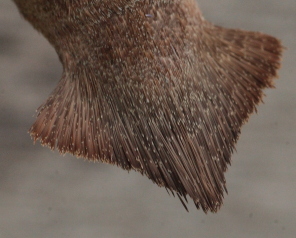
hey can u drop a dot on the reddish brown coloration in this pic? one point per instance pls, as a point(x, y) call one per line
point(151, 86)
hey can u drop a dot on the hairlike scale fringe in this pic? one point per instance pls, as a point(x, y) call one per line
point(151, 86)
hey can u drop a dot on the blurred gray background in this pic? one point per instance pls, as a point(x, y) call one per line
point(43, 194)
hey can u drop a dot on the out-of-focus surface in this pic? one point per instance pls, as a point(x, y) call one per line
point(43, 194)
